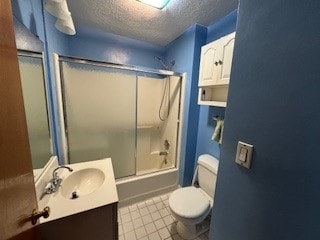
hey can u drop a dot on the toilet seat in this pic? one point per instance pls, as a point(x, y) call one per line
point(189, 203)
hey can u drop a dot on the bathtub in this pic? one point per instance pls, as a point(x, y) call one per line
point(138, 188)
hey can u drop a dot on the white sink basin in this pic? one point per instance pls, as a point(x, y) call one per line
point(82, 183)
point(93, 182)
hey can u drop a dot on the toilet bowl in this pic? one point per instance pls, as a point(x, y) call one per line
point(191, 206)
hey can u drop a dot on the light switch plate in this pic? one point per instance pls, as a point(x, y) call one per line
point(247, 161)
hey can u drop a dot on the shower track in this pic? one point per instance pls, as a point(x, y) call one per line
point(120, 66)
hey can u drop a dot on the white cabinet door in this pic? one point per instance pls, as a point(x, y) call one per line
point(225, 60)
point(215, 69)
point(209, 67)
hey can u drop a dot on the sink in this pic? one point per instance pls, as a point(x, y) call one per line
point(82, 183)
point(92, 182)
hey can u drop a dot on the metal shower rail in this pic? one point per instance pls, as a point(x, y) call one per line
point(120, 66)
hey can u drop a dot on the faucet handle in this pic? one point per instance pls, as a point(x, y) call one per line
point(48, 189)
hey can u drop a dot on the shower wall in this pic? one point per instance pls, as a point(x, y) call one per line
point(157, 98)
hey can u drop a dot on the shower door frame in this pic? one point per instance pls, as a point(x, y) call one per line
point(40, 55)
point(58, 59)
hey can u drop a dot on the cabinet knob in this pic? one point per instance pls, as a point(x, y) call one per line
point(216, 63)
point(37, 214)
point(220, 62)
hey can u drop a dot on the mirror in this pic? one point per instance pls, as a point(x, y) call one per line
point(35, 104)
point(34, 85)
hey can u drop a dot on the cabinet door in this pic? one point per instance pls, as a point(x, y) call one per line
point(98, 224)
point(208, 64)
point(226, 48)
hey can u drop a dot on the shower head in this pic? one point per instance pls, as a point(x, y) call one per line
point(161, 61)
point(164, 64)
point(172, 63)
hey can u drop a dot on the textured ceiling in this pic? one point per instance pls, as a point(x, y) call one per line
point(135, 20)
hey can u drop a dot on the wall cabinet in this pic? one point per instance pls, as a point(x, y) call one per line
point(215, 68)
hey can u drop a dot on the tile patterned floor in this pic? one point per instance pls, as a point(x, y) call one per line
point(149, 220)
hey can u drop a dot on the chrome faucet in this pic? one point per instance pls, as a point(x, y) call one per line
point(54, 184)
point(55, 178)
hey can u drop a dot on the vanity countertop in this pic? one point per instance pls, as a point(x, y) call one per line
point(61, 206)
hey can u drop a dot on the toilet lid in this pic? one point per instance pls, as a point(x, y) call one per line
point(188, 202)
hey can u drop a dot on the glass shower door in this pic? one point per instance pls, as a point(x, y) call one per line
point(100, 115)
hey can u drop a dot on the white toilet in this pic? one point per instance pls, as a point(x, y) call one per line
point(191, 206)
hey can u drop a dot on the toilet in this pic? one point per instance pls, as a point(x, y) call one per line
point(191, 206)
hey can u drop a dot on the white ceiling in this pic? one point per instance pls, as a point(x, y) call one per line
point(135, 20)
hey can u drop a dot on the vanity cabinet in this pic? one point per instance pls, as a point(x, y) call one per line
point(98, 224)
point(215, 69)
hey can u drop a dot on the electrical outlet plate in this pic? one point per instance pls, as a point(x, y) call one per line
point(244, 154)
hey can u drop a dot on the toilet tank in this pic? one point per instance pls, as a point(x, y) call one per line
point(207, 173)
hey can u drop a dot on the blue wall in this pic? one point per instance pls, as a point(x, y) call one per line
point(185, 50)
point(205, 130)
point(206, 127)
point(29, 13)
point(101, 46)
point(274, 104)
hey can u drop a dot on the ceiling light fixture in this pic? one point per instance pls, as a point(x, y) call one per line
point(155, 3)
